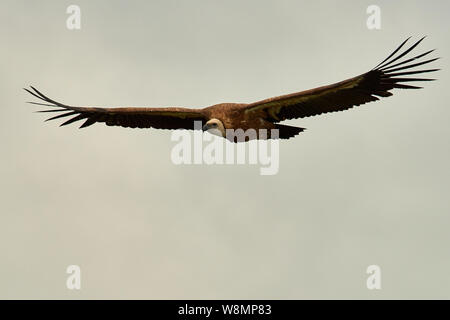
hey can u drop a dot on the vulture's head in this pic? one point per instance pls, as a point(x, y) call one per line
point(215, 126)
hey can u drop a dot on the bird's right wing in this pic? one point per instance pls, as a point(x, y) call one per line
point(159, 118)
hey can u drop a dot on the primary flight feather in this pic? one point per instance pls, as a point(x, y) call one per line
point(392, 73)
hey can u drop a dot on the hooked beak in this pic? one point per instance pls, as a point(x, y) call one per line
point(205, 127)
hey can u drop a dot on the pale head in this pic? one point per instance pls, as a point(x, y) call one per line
point(215, 126)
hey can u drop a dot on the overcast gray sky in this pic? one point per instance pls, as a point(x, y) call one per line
point(362, 187)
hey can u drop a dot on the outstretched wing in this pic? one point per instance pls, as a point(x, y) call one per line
point(346, 94)
point(159, 118)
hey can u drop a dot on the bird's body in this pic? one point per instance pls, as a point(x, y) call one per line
point(234, 116)
point(262, 115)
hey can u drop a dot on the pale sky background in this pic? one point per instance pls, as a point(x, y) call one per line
point(362, 187)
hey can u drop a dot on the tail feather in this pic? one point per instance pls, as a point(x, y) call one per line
point(286, 132)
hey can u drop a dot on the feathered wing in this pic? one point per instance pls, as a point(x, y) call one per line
point(367, 87)
point(159, 118)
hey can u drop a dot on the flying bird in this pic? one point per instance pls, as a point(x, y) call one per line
point(265, 114)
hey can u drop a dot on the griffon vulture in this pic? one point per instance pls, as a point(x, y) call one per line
point(265, 114)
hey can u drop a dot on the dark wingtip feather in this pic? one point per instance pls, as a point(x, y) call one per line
point(386, 64)
point(405, 86)
point(42, 104)
point(405, 61)
point(76, 118)
point(388, 70)
point(33, 94)
point(406, 79)
point(52, 110)
point(37, 91)
point(395, 51)
point(88, 122)
point(388, 75)
point(37, 94)
point(71, 113)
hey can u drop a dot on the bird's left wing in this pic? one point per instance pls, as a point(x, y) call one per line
point(378, 82)
point(159, 118)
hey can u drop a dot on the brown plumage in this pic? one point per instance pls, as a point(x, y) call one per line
point(378, 82)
